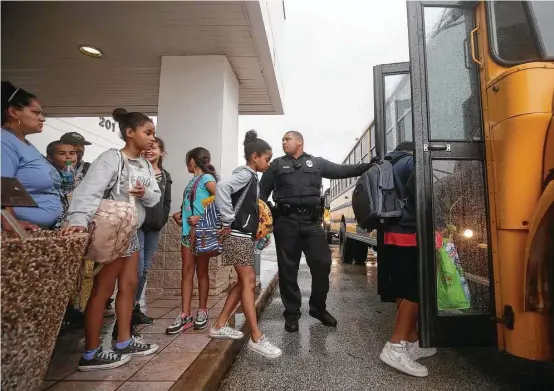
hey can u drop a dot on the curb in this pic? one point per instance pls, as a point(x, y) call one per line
point(209, 369)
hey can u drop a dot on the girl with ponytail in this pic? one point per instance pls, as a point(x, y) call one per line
point(200, 187)
point(237, 199)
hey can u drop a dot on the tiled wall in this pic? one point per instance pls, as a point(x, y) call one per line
point(164, 276)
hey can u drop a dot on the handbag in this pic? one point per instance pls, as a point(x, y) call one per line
point(205, 239)
point(114, 224)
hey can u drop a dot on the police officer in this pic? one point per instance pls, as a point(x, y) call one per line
point(295, 180)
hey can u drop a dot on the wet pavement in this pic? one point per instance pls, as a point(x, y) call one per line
point(347, 358)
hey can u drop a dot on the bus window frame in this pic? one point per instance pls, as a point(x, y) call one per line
point(489, 12)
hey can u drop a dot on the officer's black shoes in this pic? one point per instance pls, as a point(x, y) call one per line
point(291, 325)
point(325, 317)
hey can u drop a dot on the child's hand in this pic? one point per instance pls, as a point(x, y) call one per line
point(70, 230)
point(193, 220)
point(224, 231)
point(178, 218)
point(138, 190)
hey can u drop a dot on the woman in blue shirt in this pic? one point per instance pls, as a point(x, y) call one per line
point(21, 116)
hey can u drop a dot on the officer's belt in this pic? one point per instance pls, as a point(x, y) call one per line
point(299, 210)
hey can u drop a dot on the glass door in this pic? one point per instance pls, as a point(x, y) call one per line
point(455, 273)
point(393, 124)
point(393, 106)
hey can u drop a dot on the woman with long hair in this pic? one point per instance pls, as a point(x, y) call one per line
point(155, 220)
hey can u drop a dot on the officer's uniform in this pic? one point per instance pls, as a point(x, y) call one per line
point(296, 187)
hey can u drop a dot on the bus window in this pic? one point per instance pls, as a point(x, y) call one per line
point(460, 217)
point(541, 14)
point(397, 108)
point(512, 38)
point(453, 87)
point(372, 143)
point(364, 150)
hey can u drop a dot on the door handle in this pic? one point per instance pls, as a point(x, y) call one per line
point(436, 147)
point(473, 50)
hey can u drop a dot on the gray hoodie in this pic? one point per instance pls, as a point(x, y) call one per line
point(102, 176)
point(227, 186)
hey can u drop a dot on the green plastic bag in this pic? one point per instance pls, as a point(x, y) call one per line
point(450, 293)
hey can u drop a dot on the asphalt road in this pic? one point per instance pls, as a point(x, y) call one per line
point(347, 358)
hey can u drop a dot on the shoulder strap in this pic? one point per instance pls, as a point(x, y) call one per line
point(120, 164)
point(125, 160)
point(400, 186)
point(243, 195)
point(192, 194)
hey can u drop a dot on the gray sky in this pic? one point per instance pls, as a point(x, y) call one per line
point(327, 59)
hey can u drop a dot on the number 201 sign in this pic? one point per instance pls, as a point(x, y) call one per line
point(106, 123)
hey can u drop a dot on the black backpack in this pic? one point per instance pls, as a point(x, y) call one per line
point(376, 201)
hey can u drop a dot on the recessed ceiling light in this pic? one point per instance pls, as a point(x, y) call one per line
point(90, 51)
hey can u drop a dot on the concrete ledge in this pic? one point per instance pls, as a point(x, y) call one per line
point(210, 367)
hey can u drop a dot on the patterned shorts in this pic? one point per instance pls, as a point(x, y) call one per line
point(134, 246)
point(185, 241)
point(237, 251)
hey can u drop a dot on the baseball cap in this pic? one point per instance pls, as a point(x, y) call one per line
point(74, 138)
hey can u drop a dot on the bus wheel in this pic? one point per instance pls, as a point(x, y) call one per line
point(360, 253)
point(346, 253)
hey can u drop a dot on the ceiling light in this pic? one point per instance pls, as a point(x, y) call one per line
point(90, 51)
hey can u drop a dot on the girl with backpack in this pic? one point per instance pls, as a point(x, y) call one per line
point(237, 201)
point(199, 188)
point(155, 220)
point(124, 176)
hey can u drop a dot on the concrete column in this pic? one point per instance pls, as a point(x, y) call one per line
point(197, 107)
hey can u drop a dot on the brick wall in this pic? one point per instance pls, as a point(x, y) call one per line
point(164, 276)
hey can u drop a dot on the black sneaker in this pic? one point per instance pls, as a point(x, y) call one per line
point(134, 332)
point(140, 317)
point(73, 319)
point(291, 325)
point(103, 360)
point(324, 317)
point(180, 324)
point(138, 347)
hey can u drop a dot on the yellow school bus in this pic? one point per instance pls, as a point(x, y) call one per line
point(354, 242)
point(480, 112)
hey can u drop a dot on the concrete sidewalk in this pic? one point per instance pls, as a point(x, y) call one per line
point(191, 361)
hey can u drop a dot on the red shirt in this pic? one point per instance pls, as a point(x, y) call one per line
point(408, 240)
point(401, 240)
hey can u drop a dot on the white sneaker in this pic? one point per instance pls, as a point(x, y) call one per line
point(265, 348)
point(397, 356)
point(416, 352)
point(225, 332)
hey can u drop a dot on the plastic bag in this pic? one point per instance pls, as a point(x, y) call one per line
point(450, 291)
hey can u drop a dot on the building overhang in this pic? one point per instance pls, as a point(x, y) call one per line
point(40, 51)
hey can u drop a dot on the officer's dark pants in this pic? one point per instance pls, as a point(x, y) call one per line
point(295, 235)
